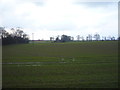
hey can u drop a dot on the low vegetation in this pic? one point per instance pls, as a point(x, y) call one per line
point(61, 65)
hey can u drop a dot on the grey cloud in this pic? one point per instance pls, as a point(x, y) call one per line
point(60, 26)
point(96, 4)
point(8, 18)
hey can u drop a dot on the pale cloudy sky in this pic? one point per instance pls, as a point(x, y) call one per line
point(46, 18)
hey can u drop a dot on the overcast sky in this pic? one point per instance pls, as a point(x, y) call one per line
point(46, 18)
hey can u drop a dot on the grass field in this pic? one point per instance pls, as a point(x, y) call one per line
point(61, 65)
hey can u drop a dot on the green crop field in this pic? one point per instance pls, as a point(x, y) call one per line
point(61, 65)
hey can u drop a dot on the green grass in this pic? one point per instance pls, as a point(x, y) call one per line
point(95, 65)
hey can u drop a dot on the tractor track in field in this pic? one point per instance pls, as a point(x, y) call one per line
point(32, 62)
point(37, 63)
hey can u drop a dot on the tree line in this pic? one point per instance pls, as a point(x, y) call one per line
point(14, 36)
point(89, 37)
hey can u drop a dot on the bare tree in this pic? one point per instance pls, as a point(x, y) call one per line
point(51, 38)
point(4, 33)
point(109, 38)
point(82, 38)
point(25, 36)
point(72, 38)
point(89, 37)
point(19, 32)
point(97, 37)
point(86, 38)
point(113, 38)
point(2, 29)
point(78, 37)
point(13, 32)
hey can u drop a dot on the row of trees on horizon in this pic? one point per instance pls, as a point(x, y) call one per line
point(16, 36)
point(89, 37)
